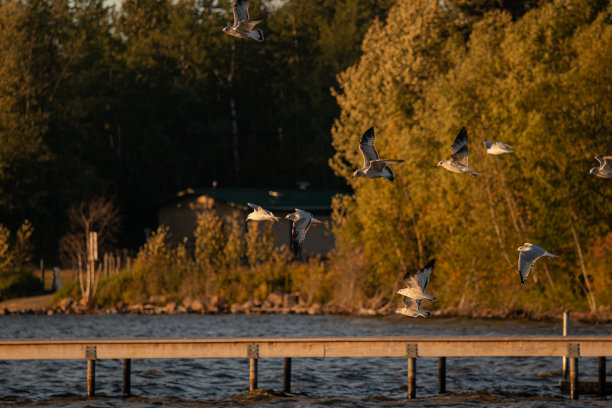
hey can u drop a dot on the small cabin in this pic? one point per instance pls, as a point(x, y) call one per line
point(181, 213)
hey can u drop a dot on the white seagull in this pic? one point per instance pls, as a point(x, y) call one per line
point(373, 167)
point(417, 283)
point(243, 27)
point(301, 221)
point(459, 155)
point(497, 148)
point(605, 167)
point(412, 308)
point(529, 254)
point(260, 214)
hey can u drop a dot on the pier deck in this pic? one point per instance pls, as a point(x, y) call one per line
point(411, 348)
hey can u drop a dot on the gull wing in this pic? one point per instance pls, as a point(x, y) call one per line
point(298, 231)
point(254, 206)
point(248, 25)
point(527, 259)
point(422, 276)
point(241, 11)
point(411, 303)
point(366, 145)
point(607, 162)
point(459, 149)
point(380, 164)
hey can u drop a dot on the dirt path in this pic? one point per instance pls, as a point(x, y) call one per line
point(27, 303)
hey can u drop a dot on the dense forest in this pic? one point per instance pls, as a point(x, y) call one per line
point(138, 101)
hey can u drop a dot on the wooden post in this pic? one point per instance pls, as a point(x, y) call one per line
point(287, 375)
point(411, 377)
point(602, 376)
point(253, 355)
point(573, 363)
point(566, 316)
point(127, 381)
point(253, 374)
point(442, 375)
point(91, 378)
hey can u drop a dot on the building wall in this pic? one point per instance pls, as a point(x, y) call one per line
point(181, 216)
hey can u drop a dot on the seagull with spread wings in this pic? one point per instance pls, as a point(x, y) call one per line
point(529, 254)
point(243, 27)
point(412, 308)
point(605, 167)
point(301, 221)
point(417, 283)
point(497, 148)
point(459, 155)
point(373, 167)
point(260, 214)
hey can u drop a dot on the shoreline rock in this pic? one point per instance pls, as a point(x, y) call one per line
point(292, 303)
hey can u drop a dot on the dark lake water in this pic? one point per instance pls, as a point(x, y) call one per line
point(316, 382)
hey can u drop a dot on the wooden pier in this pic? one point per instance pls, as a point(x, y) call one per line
point(254, 349)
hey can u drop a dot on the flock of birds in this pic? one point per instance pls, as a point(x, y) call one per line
point(374, 167)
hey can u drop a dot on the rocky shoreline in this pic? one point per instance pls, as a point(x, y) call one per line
point(285, 303)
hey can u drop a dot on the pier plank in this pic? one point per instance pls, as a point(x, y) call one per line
point(303, 347)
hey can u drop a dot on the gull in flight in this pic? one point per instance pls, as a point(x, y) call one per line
point(243, 27)
point(301, 221)
point(459, 155)
point(605, 167)
point(373, 167)
point(497, 148)
point(417, 283)
point(260, 214)
point(412, 308)
point(529, 254)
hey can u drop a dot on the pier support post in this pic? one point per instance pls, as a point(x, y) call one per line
point(602, 376)
point(287, 375)
point(411, 377)
point(253, 356)
point(127, 380)
point(573, 352)
point(91, 378)
point(573, 363)
point(412, 353)
point(566, 316)
point(442, 375)
point(91, 356)
point(253, 374)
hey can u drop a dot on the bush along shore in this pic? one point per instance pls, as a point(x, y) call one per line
point(230, 267)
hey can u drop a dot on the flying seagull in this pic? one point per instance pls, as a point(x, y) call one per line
point(260, 214)
point(529, 254)
point(302, 220)
point(412, 308)
point(459, 155)
point(373, 167)
point(497, 148)
point(243, 27)
point(605, 167)
point(417, 283)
